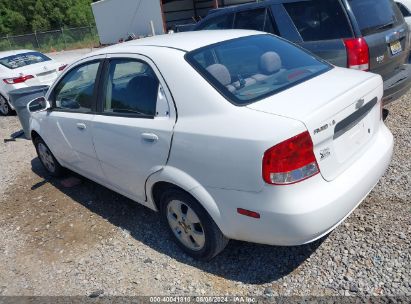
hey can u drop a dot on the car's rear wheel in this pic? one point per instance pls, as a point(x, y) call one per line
point(47, 158)
point(4, 106)
point(191, 226)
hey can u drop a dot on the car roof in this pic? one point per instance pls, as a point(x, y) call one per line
point(185, 41)
point(14, 52)
point(242, 6)
point(246, 6)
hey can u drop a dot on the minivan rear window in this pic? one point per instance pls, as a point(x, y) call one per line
point(251, 68)
point(319, 19)
point(374, 16)
point(23, 59)
point(220, 22)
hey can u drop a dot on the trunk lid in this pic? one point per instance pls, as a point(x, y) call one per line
point(44, 72)
point(341, 110)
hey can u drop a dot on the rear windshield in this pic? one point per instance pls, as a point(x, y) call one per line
point(251, 68)
point(374, 15)
point(23, 59)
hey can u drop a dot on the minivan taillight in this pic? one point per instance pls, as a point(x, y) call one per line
point(290, 161)
point(358, 56)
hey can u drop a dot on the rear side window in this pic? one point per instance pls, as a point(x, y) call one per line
point(319, 19)
point(131, 88)
point(24, 59)
point(258, 19)
point(251, 68)
point(405, 12)
point(374, 16)
point(220, 22)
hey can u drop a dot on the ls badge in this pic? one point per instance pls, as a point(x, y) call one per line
point(325, 153)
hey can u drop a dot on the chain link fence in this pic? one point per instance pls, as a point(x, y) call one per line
point(54, 40)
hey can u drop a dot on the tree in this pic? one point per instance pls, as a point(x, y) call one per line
point(11, 21)
point(20, 16)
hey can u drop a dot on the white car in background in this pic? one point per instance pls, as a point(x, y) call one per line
point(405, 8)
point(229, 134)
point(23, 68)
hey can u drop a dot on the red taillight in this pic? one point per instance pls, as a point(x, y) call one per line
point(248, 213)
point(291, 161)
point(358, 54)
point(61, 68)
point(19, 79)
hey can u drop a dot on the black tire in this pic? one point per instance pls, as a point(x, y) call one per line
point(5, 108)
point(214, 242)
point(55, 170)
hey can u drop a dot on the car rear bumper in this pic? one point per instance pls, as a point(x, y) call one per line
point(397, 85)
point(303, 212)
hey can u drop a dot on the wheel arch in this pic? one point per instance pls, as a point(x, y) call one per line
point(34, 134)
point(35, 129)
point(170, 177)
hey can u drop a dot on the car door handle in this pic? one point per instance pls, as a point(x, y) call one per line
point(81, 126)
point(150, 137)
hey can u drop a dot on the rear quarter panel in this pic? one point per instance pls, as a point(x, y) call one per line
point(215, 142)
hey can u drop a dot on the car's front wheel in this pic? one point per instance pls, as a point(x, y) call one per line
point(47, 158)
point(4, 106)
point(191, 226)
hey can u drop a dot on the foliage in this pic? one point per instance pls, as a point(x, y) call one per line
point(24, 16)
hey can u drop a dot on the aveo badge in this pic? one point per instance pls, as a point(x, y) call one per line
point(324, 127)
point(320, 129)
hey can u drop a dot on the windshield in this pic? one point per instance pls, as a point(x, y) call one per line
point(251, 68)
point(23, 59)
point(374, 15)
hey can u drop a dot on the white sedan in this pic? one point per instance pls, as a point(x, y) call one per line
point(22, 68)
point(228, 134)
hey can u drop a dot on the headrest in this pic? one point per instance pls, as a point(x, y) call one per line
point(220, 72)
point(270, 62)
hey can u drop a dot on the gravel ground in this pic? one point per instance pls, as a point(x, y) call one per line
point(87, 239)
point(69, 56)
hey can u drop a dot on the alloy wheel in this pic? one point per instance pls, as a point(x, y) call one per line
point(4, 106)
point(46, 157)
point(185, 225)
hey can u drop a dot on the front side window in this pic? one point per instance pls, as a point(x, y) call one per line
point(405, 12)
point(131, 88)
point(258, 19)
point(217, 23)
point(75, 90)
point(251, 68)
point(319, 19)
point(23, 59)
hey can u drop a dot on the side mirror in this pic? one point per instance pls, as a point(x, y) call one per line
point(38, 104)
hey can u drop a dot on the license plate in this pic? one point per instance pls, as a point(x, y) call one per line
point(395, 47)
